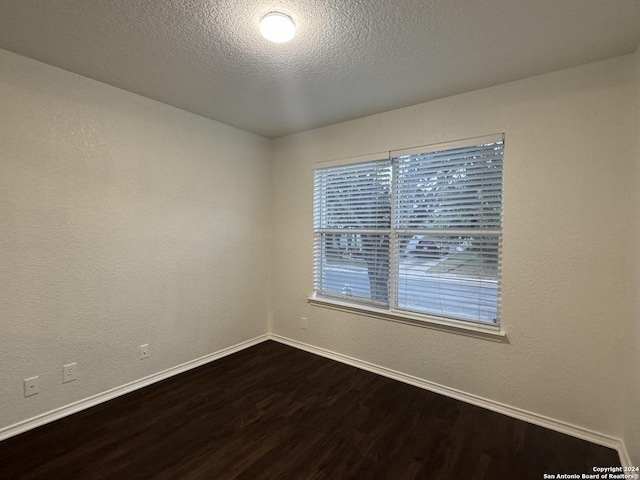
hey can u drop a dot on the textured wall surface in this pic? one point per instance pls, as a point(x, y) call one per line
point(632, 358)
point(567, 276)
point(123, 221)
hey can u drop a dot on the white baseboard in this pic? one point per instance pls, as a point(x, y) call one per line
point(88, 402)
point(520, 414)
point(625, 459)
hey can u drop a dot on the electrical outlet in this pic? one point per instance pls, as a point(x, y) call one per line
point(144, 351)
point(31, 386)
point(303, 323)
point(69, 372)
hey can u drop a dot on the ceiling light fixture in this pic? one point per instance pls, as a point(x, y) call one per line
point(277, 27)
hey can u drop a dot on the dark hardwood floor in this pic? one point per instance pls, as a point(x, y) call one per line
point(275, 412)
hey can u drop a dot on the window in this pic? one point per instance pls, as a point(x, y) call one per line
point(418, 233)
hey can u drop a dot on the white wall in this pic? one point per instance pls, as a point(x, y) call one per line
point(567, 279)
point(631, 359)
point(124, 221)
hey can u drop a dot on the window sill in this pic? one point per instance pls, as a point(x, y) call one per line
point(488, 332)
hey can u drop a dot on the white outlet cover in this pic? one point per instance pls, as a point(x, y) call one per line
point(69, 372)
point(31, 386)
point(144, 351)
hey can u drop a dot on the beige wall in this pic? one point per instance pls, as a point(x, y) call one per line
point(631, 359)
point(567, 278)
point(123, 221)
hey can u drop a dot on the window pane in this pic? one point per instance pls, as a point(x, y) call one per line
point(353, 196)
point(459, 188)
point(352, 266)
point(448, 276)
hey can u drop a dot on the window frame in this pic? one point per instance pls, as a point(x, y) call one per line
point(488, 330)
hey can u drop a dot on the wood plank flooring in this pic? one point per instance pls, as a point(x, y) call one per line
point(275, 412)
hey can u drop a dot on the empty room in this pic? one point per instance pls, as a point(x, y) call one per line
point(319, 239)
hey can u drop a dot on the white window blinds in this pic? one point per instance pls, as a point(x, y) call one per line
point(352, 226)
point(448, 224)
point(419, 233)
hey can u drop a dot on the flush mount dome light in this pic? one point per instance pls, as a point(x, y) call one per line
point(277, 27)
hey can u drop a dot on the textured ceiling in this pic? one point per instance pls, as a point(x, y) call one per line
point(350, 58)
